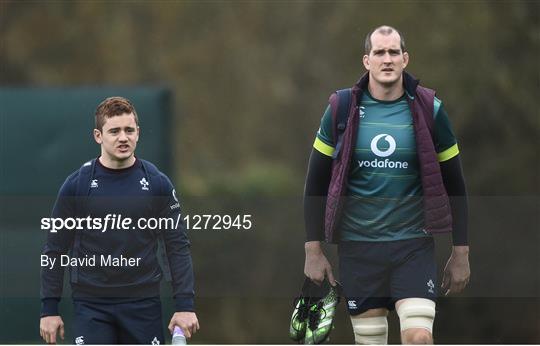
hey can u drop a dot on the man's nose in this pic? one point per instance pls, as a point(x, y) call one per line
point(387, 58)
point(123, 136)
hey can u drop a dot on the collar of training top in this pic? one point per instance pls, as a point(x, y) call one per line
point(409, 82)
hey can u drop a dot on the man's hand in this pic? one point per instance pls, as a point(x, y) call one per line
point(49, 326)
point(317, 266)
point(457, 272)
point(187, 321)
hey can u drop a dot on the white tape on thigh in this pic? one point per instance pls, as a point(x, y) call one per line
point(416, 313)
point(370, 330)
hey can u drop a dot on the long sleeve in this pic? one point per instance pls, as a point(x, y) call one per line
point(57, 244)
point(315, 192)
point(454, 183)
point(178, 253)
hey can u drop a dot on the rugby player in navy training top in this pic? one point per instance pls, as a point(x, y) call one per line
point(114, 274)
point(386, 258)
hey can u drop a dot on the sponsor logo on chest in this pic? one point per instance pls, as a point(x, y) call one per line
point(383, 152)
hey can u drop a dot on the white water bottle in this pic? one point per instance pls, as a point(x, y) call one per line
point(178, 337)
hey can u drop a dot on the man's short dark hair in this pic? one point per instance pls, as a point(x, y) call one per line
point(113, 106)
point(385, 30)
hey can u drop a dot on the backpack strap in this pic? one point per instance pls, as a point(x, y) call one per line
point(340, 117)
point(86, 172)
point(427, 98)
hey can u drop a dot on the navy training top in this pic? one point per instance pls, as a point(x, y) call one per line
point(110, 257)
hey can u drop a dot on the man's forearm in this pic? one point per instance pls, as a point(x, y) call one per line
point(52, 282)
point(179, 258)
point(180, 264)
point(454, 183)
point(315, 191)
point(52, 276)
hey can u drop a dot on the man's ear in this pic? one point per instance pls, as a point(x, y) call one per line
point(97, 136)
point(405, 59)
point(365, 60)
point(138, 134)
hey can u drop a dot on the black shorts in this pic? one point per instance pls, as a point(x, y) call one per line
point(113, 322)
point(377, 274)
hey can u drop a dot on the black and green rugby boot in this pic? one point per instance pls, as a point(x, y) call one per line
point(310, 293)
point(297, 329)
point(321, 316)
